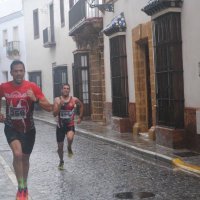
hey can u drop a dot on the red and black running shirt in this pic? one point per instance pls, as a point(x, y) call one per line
point(19, 107)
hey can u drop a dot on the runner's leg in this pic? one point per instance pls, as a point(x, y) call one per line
point(70, 138)
point(26, 164)
point(60, 150)
point(17, 160)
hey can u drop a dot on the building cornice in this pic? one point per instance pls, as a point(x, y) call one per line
point(11, 17)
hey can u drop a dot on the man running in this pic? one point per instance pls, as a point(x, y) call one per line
point(20, 96)
point(64, 109)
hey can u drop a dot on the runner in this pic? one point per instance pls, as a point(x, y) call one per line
point(64, 109)
point(21, 95)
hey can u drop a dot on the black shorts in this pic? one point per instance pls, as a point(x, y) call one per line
point(27, 139)
point(60, 132)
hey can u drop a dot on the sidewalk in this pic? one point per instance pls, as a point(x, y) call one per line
point(183, 159)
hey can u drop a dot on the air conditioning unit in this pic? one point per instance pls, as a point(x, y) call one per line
point(48, 38)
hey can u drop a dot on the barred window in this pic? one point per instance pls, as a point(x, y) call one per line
point(119, 76)
point(169, 70)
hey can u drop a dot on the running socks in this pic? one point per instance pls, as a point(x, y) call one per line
point(22, 193)
point(22, 183)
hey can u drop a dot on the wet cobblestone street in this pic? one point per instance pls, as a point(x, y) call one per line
point(97, 171)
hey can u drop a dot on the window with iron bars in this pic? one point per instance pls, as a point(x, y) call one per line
point(119, 76)
point(169, 70)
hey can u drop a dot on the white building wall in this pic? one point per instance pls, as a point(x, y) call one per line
point(9, 6)
point(133, 16)
point(191, 52)
point(11, 15)
point(40, 58)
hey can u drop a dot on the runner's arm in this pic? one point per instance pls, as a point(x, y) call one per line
point(37, 96)
point(44, 103)
point(81, 110)
point(56, 107)
point(2, 118)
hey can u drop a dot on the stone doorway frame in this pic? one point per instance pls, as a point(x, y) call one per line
point(140, 35)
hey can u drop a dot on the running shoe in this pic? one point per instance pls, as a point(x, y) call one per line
point(19, 195)
point(61, 165)
point(70, 152)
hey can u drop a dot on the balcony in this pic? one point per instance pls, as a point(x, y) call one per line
point(155, 6)
point(84, 20)
point(13, 49)
point(48, 37)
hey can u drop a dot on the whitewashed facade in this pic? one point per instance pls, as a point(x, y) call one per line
point(12, 37)
point(173, 59)
point(191, 52)
point(133, 16)
point(44, 56)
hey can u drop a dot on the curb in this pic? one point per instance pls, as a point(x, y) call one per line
point(140, 151)
point(186, 166)
point(194, 169)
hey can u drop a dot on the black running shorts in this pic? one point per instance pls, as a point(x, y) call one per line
point(27, 139)
point(60, 132)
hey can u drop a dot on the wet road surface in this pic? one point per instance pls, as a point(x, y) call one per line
point(98, 171)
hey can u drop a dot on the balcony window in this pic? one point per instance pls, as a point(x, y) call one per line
point(13, 49)
point(81, 13)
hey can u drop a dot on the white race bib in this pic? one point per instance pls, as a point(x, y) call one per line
point(17, 113)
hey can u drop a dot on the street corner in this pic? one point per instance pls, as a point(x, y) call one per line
point(186, 166)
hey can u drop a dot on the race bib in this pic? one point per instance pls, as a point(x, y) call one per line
point(66, 114)
point(17, 113)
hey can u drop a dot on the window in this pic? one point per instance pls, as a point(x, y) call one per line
point(62, 13)
point(36, 24)
point(81, 80)
point(51, 15)
point(119, 76)
point(5, 38)
point(60, 77)
point(15, 33)
point(36, 77)
point(169, 70)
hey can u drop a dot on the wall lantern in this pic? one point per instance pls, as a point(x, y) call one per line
point(109, 7)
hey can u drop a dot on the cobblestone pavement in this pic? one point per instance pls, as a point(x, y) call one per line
point(97, 171)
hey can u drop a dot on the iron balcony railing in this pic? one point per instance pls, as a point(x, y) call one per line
point(80, 12)
point(13, 49)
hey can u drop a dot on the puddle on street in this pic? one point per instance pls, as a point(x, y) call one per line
point(129, 195)
point(144, 195)
point(124, 195)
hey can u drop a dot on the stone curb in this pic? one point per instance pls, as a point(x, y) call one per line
point(169, 160)
point(186, 166)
